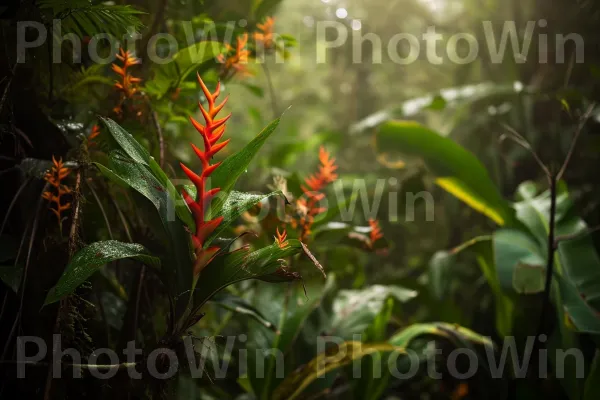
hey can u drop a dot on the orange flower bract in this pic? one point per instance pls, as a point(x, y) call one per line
point(281, 239)
point(264, 37)
point(376, 232)
point(93, 134)
point(127, 84)
point(309, 203)
point(235, 59)
point(57, 173)
point(211, 133)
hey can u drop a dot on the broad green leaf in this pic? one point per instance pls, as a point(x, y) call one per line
point(576, 266)
point(139, 154)
point(89, 259)
point(235, 165)
point(529, 278)
point(177, 260)
point(347, 352)
point(240, 265)
point(355, 310)
point(513, 248)
point(456, 170)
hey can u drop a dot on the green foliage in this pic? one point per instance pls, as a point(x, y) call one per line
point(84, 18)
point(89, 259)
point(456, 170)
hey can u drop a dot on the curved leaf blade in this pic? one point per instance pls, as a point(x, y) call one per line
point(457, 170)
point(89, 259)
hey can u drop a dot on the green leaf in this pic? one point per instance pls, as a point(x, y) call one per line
point(235, 165)
point(139, 154)
point(177, 259)
point(456, 170)
point(355, 310)
point(529, 278)
point(576, 266)
point(241, 306)
point(439, 273)
point(89, 259)
point(483, 249)
point(293, 309)
point(455, 333)
point(236, 203)
point(84, 18)
point(347, 352)
point(240, 265)
point(513, 248)
point(171, 74)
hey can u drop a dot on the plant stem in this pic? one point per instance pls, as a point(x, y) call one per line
point(271, 91)
point(551, 251)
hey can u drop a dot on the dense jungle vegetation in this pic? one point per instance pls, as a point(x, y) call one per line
point(299, 199)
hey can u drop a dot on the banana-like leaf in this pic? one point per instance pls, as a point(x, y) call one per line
point(456, 170)
point(577, 265)
point(89, 259)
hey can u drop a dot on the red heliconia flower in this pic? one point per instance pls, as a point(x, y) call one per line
point(264, 36)
point(93, 134)
point(127, 84)
point(235, 59)
point(376, 232)
point(281, 239)
point(211, 132)
point(54, 177)
point(309, 203)
point(324, 176)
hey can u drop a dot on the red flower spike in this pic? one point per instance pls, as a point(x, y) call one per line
point(376, 232)
point(281, 239)
point(211, 132)
point(57, 173)
point(93, 134)
point(313, 185)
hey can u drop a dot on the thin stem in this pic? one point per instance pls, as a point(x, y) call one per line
point(582, 122)
point(550, 256)
point(72, 244)
point(271, 91)
point(75, 217)
point(89, 185)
